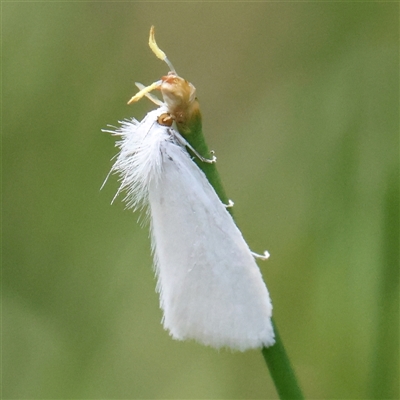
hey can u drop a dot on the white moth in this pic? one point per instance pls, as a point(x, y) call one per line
point(211, 289)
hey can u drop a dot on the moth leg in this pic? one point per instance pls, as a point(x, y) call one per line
point(230, 204)
point(264, 256)
point(143, 92)
point(184, 142)
point(150, 96)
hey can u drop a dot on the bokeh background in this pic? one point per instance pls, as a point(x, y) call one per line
point(300, 102)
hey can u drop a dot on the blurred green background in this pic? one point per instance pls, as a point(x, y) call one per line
point(300, 102)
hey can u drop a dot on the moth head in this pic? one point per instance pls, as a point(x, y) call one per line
point(177, 92)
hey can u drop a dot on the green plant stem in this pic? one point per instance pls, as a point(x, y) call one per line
point(275, 356)
point(280, 369)
point(196, 138)
point(385, 367)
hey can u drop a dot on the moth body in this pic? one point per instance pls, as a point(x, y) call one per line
point(211, 289)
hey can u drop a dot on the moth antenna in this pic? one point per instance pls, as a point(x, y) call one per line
point(150, 96)
point(143, 92)
point(158, 52)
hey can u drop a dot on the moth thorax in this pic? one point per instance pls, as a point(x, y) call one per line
point(165, 119)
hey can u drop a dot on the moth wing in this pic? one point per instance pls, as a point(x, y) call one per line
point(211, 288)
